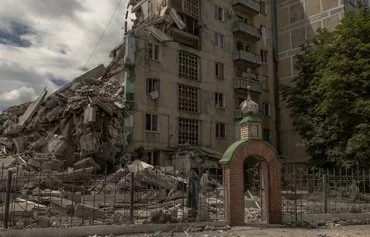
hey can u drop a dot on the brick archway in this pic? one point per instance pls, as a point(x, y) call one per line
point(232, 161)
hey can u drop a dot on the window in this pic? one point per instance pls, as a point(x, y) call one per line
point(153, 51)
point(219, 40)
point(191, 8)
point(220, 70)
point(188, 97)
point(219, 100)
point(151, 124)
point(220, 130)
point(188, 66)
point(189, 131)
point(219, 13)
point(153, 158)
point(267, 135)
point(152, 85)
point(263, 7)
point(266, 109)
point(263, 56)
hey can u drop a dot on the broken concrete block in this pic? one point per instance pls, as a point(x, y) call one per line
point(89, 143)
point(89, 115)
point(87, 162)
point(7, 162)
point(19, 144)
point(57, 145)
point(31, 110)
point(52, 165)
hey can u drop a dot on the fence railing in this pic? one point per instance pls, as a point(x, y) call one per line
point(80, 197)
point(306, 191)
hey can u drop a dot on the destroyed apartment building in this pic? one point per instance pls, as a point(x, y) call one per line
point(187, 68)
point(168, 102)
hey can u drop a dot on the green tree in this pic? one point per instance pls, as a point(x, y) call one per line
point(329, 100)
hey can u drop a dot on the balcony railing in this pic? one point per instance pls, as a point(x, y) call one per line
point(251, 4)
point(243, 83)
point(247, 56)
point(254, 32)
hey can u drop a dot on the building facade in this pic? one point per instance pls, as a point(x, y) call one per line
point(190, 63)
point(188, 67)
point(298, 21)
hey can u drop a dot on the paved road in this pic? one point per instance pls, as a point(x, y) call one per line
point(346, 231)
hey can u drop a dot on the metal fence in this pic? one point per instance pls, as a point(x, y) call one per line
point(318, 191)
point(80, 197)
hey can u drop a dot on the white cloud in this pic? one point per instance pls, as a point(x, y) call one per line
point(62, 33)
point(18, 96)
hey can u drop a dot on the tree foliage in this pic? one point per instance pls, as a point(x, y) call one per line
point(330, 97)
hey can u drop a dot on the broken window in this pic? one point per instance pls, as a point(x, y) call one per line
point(153, 51)
point(220, 130)
point(151, 123)
point(219, 13)
point(219, 70)
point(263, 56)
point(267, 135)
point(219, 40)
point(152, 85)
point(188, 97)
point(191, 8)
point(219, 100)
point(266, 109)
point(189, 130)
point(153, 158)
point(188, 66)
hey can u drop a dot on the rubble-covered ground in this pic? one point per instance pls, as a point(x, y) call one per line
point(342, 231)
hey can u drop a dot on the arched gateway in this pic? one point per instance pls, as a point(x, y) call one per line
point(251, 144)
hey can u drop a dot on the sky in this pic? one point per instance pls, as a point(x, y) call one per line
point(46, 43)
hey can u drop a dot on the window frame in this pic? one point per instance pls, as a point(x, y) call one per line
point(219, 15)
point(185, 101)
point(268, 133)
point(268, 111)
point(219, 40)
point(220, 74)
point(152, 51)
point(188, 132)
point(154, 83)
point(264, 56)
point(220, 130)
point(151, 123)
point(217, 99)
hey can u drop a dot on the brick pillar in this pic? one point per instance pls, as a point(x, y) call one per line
point(275, 208)
point(250, 129)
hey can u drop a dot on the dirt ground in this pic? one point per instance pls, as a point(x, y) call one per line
point(345, 231)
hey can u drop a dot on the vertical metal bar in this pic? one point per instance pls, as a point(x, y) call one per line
point(132, 199)
point(324, 192)
point(7, 199)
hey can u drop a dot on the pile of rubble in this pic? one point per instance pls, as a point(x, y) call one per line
point(79, 126)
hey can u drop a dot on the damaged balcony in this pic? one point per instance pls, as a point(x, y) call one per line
point(241, 83)
point(249, 32)
point(251, 59)
point(185, 38)
point(249, 7)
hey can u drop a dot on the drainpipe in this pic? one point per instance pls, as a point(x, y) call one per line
point(276, 75)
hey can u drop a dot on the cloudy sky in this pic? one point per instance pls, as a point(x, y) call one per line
point(46, 43)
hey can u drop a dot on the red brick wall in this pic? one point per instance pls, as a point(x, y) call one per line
point(271, 178)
